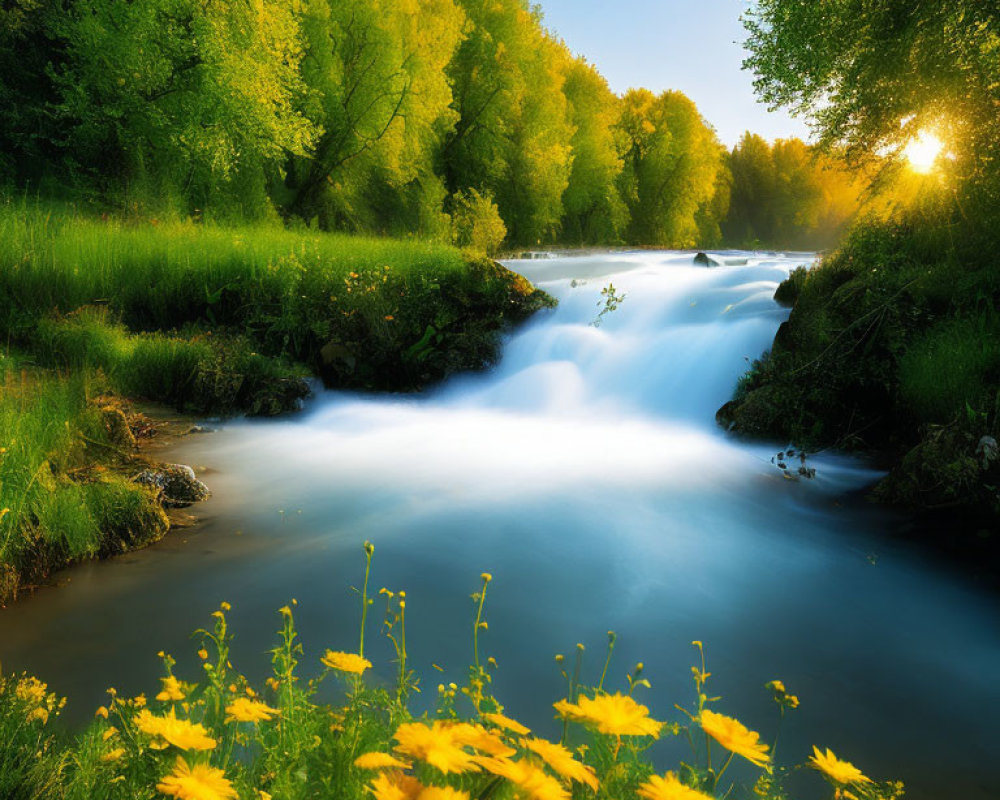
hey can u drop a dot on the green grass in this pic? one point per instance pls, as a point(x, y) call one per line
point(60, 498)
point(158, 276)
point(952, 367)
point(191, 370)
point(361, 312)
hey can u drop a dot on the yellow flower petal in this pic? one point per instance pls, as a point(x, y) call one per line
point(506, 722)
point(614, 714)
point(562, 761)
point(379, 761)
point(669, 788)
point(346, 662)
point(734, 736)
point(198, 782)
point(842, 772)
point(243, 709)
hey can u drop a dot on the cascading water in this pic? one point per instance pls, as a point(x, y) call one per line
point(587, 474)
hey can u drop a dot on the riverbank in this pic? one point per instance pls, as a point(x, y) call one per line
point(892, 349)
point(205, 320)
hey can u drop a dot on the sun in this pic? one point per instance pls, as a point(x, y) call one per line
point(923, 151)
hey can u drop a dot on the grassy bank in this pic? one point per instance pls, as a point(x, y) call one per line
point(65, 462)
point(207, 320)
point(213, 736)
point(893, 348)
point(359, 312)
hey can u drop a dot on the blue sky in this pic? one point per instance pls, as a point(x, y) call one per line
point(690, 45)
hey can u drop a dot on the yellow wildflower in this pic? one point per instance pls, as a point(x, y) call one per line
point(732, 735)
point(171, 689)
point(562, 761)
point(139, 700)
point(346, 662)
point(203, 654)
point(435, 744)
point(109, 733)
point(39, 713)
point(198, 782)
point(668, 788)
point(478, 737)
point(506, 722)
point(243, 709)
point(442, 793)
point(379, 761)
point(113, 755)
point(531, 781)
point(396, 786)
point(838, 771)
point(178, 732)
point(102, 711)
point(615, 714)
point(31, 690)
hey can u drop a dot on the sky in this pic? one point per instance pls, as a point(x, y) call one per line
point(690, 45)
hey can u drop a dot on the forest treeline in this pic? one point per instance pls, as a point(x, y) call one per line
point(457, 120)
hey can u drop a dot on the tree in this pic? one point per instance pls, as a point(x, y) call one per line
point(375, 70)
point(512, 139)
point(195, 95)
point(870, 75)
point(672, 159)
point(594, 210)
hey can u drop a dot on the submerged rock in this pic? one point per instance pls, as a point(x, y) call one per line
point(705, 260)
point(178, 485)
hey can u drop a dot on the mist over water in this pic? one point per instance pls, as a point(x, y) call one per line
point(587, 474)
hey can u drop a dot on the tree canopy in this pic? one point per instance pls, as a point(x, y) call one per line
point(448, 119)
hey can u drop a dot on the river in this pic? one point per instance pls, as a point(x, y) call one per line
point(586, 473)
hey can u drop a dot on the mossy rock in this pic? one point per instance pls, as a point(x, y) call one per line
point(943, 470)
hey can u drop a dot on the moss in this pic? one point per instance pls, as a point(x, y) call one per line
point(943, 471)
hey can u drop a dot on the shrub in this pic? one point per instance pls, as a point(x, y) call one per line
point(476, 222)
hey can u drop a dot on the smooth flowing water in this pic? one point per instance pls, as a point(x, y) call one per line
point(587, 474)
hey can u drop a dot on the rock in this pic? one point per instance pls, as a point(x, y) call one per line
point(177, 484)
point(703, 260)
point(116, 424)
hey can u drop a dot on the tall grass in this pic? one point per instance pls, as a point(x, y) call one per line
point(362, 312)
point(59, 502)
point(953, 367)
point(158, 276)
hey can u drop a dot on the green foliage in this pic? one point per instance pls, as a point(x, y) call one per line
point(891, 345)
point(672, 163)
point(512, 138)
point(57, 501)
point(476, 223)
point(201, 98)
point(952, 366)
point(872, 75)
point(350, 308)
point(594, 210)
